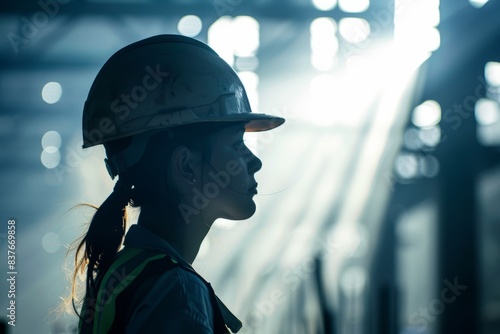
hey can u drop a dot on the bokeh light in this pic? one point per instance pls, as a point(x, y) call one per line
point(324, 4)
point(426, 114)
point(51, 92)
point(324, 43)
point(411, 139)
point(429, 166)
point(430, 136)
point(323, 28)
point(51, 242)
point(51, 138)
point(478, 3)
point(50, 157)
point(407, 166)
point(354, 6)
point(487, 112)
point(220, 37)
point(189, 25)
point(415, 28)
point(354, 30)
point(492, 73)
point(248, 38)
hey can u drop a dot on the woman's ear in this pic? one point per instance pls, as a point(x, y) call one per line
point(184, 168)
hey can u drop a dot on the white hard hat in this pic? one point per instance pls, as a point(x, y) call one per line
point(165, 81)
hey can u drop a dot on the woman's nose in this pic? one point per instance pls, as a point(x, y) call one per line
point(254, 163)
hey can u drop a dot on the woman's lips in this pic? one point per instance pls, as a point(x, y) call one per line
point(253, 189)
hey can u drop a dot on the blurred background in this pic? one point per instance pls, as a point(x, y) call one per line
point(378, 206)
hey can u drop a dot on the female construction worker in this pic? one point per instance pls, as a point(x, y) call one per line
point(171, 115)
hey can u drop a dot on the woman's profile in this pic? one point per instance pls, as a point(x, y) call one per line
point(171, 115)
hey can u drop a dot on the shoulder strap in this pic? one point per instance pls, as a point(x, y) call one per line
point(129, 271)
point(126, 274)
point(223, 315)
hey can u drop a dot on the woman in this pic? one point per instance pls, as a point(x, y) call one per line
point(171, 115)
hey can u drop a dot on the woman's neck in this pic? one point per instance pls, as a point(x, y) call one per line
point(185, 238)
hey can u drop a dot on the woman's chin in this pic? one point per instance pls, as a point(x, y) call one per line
point(242, 212)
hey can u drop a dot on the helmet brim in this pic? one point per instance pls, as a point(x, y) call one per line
point(253, 122)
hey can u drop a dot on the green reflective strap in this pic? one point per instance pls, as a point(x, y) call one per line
point(108, 312)
point(107, 307)
point(122, 258)
point(105, 303)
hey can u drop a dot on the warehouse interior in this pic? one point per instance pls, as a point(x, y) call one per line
point(378, 198)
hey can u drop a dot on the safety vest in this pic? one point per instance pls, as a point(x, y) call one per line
point(129, 271)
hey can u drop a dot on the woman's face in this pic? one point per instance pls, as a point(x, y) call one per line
point(228, 176)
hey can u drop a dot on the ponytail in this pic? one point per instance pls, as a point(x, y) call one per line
point(97, 249)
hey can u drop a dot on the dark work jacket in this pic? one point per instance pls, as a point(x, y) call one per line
point(151, 289)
